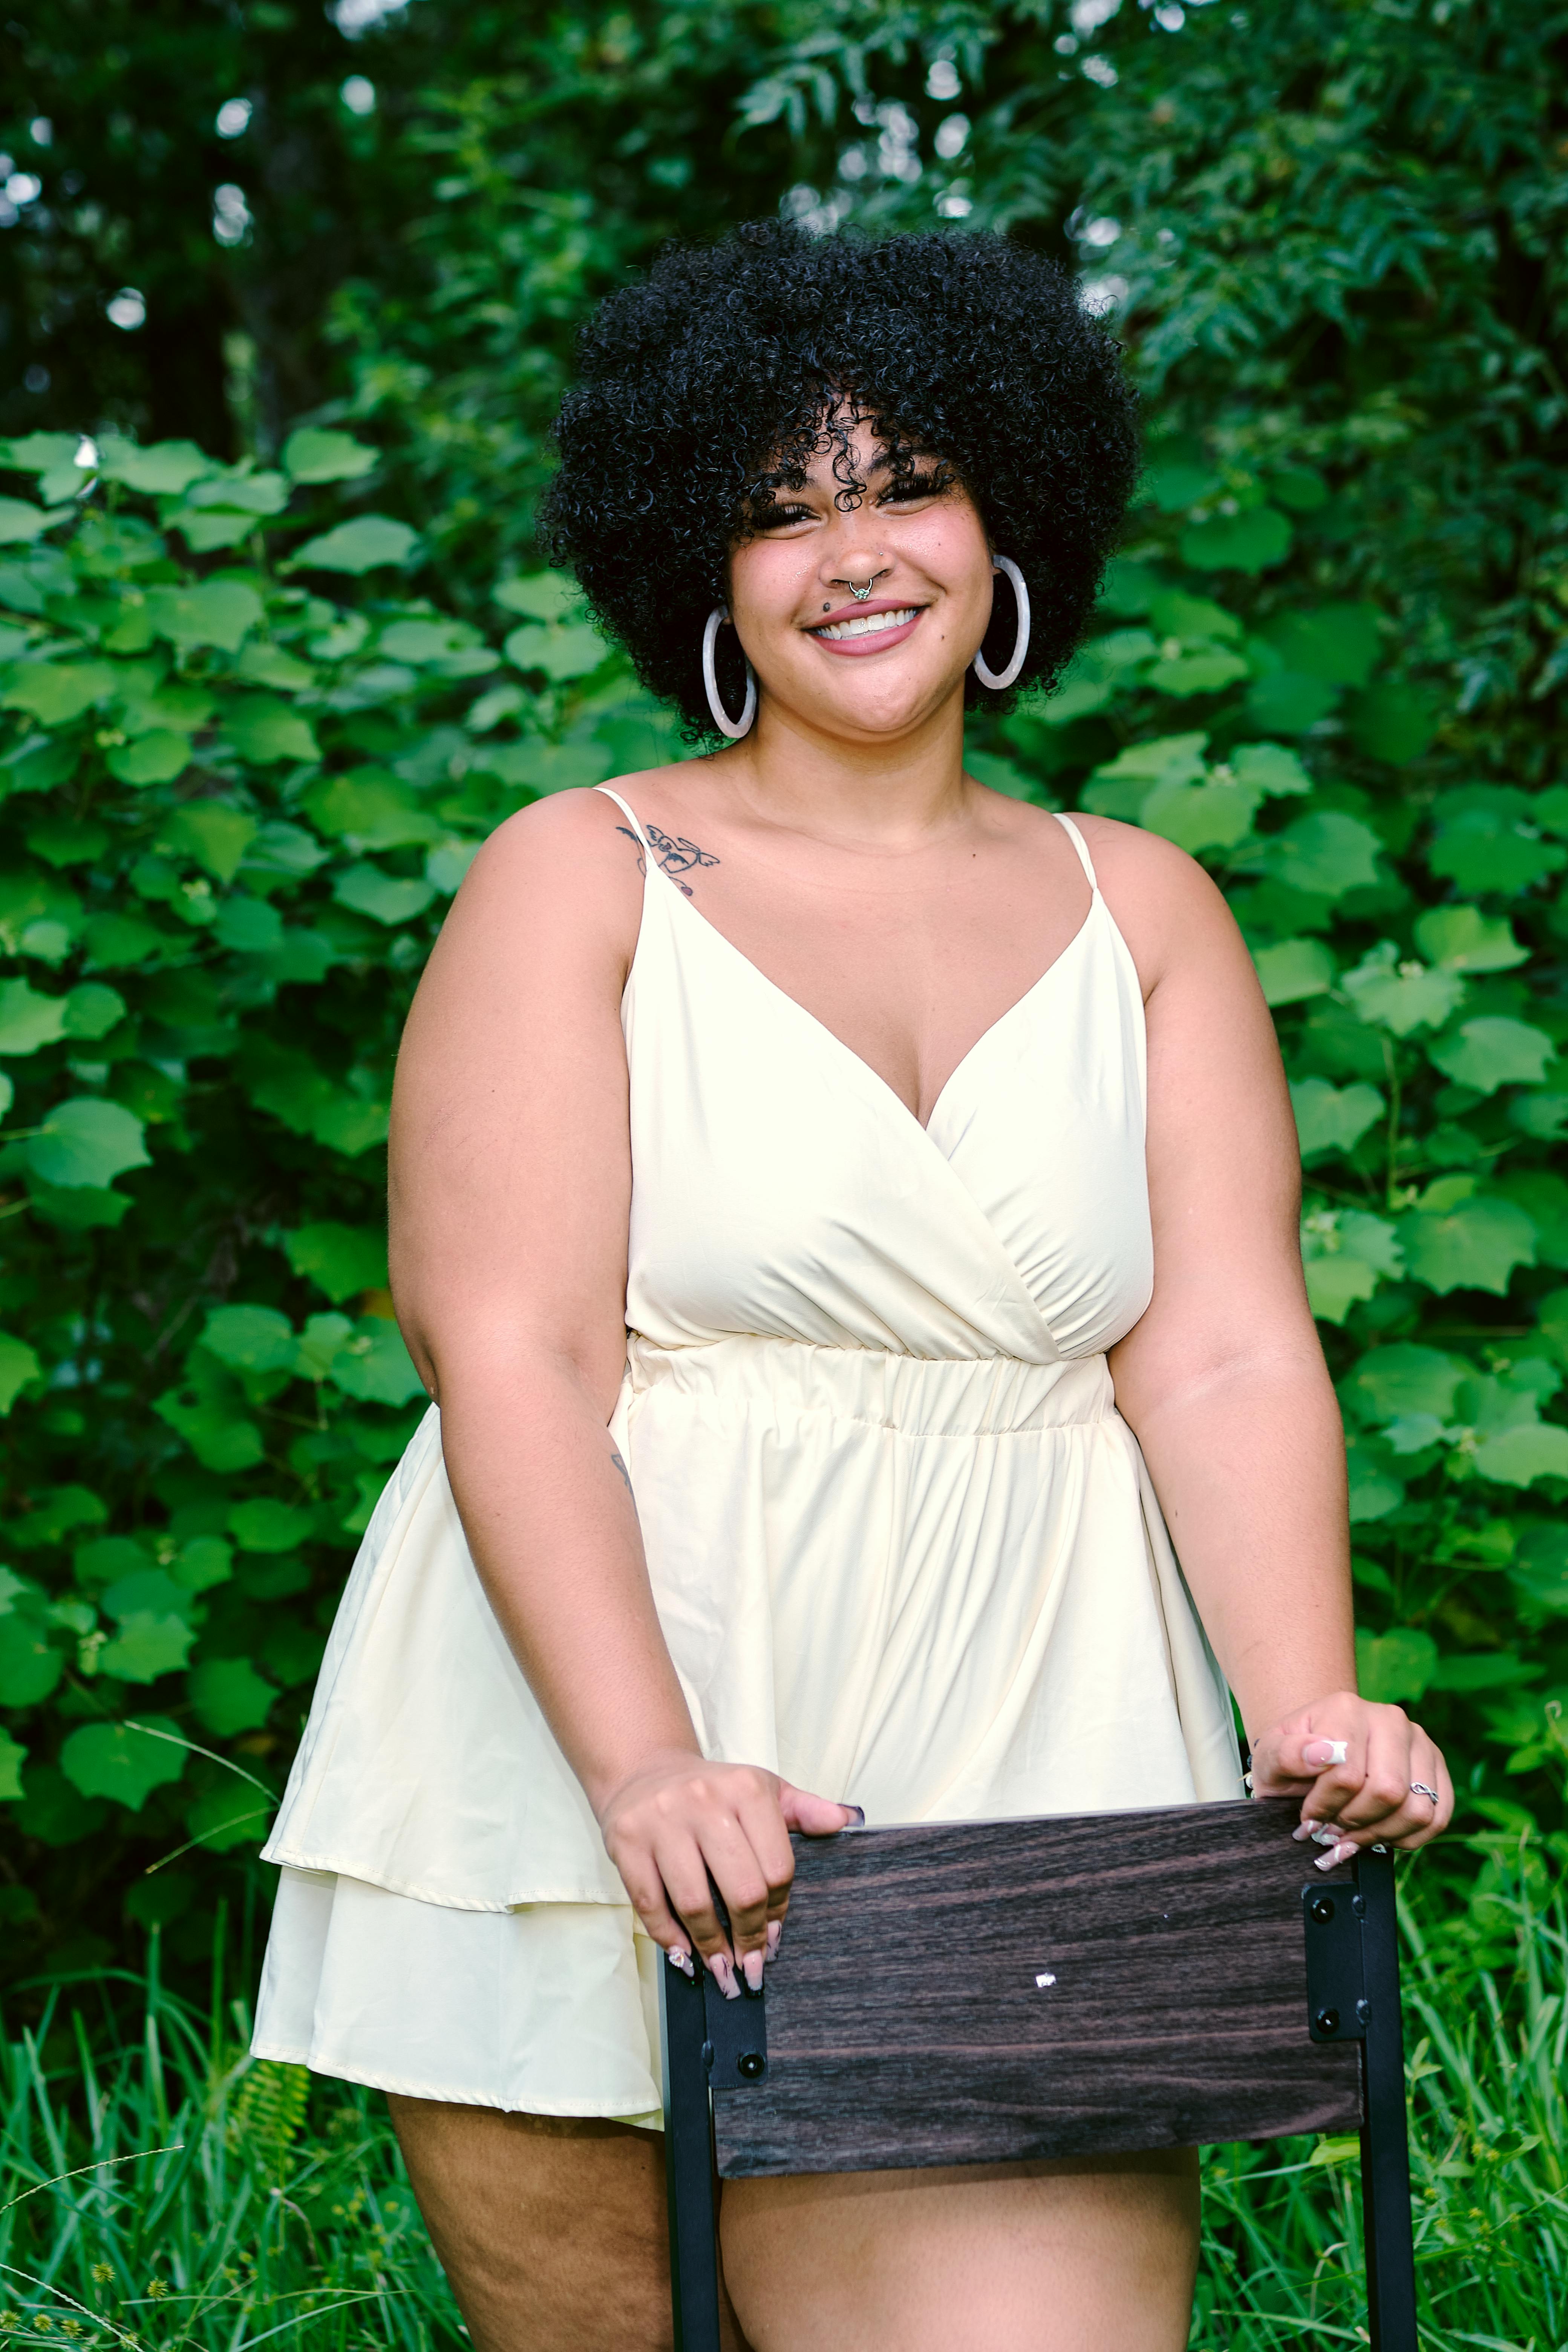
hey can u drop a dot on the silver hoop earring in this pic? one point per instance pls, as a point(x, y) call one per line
point(998, 680)
point(734, 728)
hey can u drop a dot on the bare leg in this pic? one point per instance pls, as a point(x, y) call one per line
point(552, 2230)
point(1076, 2257)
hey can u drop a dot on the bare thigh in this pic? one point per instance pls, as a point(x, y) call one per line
point(552, 2230)
point(1075, 2257)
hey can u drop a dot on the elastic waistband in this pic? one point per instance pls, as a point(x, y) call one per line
point(934, 1396)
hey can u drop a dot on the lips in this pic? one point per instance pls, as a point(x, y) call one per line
point(856, 633)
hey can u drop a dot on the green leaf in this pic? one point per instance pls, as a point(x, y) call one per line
point(1269, 769)
point(20, 521)
point(18, 1365)
point(448, 863)
point(362, 545)
point(316, 454)
point(212, 613)
point(214, 836)
point(1286, 702)
point(1486, 840)
point(1395, 1667)
point(540, 595)
point(1393, 722)
point(1335, 643)
point(229, 1695)
point(1517, 1457)
point(340, 1260)
point(1325, 854)
point(1540, 1568)
point(123, 1761)
point(1494, 1052)
point(228, 1815)
point(370, 809)
point(1329, 1117)
point(319, 1342)
point(30, 1666)
point(1392, 1384)
point(385, 898)
point(249, 1339)
point(28, 1020)
point(205, 1561)
point(86, 1140)
point(1253, 540)
point(1401, 996)
point(153, 758)
point(13, 1755)
point(249, 927)
point(220, 1436)
point(1459, 1240)
point(55, 693)
point(1346, 1254)
point(1464, 940)
point(1200, 816)
point(561, 650)
point(53, 1811)
point(1294, 969)
point(149, 1643)
point(1203, 670)
point(264, 731)
point(164, 470)
point(375, 1367)
point(264, 1525)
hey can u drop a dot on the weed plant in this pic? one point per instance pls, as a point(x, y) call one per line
point(160, 2190)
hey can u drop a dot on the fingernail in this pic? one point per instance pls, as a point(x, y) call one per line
point(680, 1959)
point(859, 1812)
point(1327, 1833)
point(724, 1977)
point(752, 1969)
point(1335, 1855)
point(775, 1930)
point(1325, 1751)
point(1305, 1830)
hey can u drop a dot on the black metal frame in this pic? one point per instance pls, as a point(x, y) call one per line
point(711, 2045)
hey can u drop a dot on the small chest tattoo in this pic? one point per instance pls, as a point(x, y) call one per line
point(675, 857)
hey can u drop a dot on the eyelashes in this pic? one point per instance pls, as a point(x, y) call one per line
point(909, 492)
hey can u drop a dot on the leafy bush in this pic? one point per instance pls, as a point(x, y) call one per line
point(244, 772)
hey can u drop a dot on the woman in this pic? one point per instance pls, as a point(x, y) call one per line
point(819, 1185)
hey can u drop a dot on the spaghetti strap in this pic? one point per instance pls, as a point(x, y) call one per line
point(1079, 843)
point(612, 795)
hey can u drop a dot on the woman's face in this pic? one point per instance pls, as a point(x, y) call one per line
point(876, 668)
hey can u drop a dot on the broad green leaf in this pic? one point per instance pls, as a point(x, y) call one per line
point(205, 1561)
point(53, 1811)
point(123, 1761)
point(287, 849)
point(263, 730)
point(30, 1665)
point(55, 693)
point(1486, 839)
point(1483, 1670)
point(249, 1339)
point(265, 493)
point(1294, 969)
point(446, 865)
point(316, 454)
point(260, 663)
point(1395, 723)
point(114, 943)
point(1325, 854)
point(1464, 940)
point(1203, 669)
point(373, 1366)
point(540, 595)
point(349, 1125)
point(39, 453)
point(1493, 1052)
point(155, 758)
point(1457, 1239)
point(423, 642)
point(212, 835)
point(220, 1436)
point(1401, 996)
point(18, 1365)
point(1517, 1457)
point(319, 1342)
point(1174, 484)
point(385, 898)
point(1287, 701)
point(264, 1525)
point(1346, 1253)
point(148, 1644)
point(1200, 816)
point(363, 545)
point(1268, 767)
point(28, 1020)
point(1392, 1383)
point(565, 650)
point(228, 1815)
point(340, 1260)
point(1336, 643)
point(371, 809)
point(147, 1591)
point(545, 767)
point(1543, 1197)
point(1175, 613)
point(248, 926)
point(1395, 1667)
point(211, 613)
point(229, 1695)
point(164, 470)
point(1253, 540)
point(1540, 1568)
point(19, 520)
point(86, 1140)
point(13, 1755)
point(77, 1208)
point(1329, 1117)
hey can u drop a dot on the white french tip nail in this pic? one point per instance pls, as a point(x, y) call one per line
point(1338, 1751)
point(1336, 1854)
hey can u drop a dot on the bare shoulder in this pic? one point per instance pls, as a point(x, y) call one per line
point(566, 867)
point(1171, 913)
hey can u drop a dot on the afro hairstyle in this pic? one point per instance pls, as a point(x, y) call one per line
point(712, 384)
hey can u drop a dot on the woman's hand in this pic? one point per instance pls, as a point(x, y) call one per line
point(1367, 1775)
point(680, 1821)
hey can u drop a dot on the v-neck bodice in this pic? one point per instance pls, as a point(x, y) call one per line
point(782, 1187)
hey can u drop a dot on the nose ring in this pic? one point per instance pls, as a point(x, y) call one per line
point(860, 595)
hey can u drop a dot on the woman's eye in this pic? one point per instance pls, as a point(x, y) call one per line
point(781, 518)
point(919, 485)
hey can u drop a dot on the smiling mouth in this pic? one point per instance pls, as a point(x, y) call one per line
point(868, 624)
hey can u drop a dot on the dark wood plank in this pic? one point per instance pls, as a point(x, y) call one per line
point(907, 2023)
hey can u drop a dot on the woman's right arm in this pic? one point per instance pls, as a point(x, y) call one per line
point(510, 1187)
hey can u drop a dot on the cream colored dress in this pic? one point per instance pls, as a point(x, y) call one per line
point(903, 1547)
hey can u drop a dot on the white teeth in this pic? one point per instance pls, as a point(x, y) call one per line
point(867, 625)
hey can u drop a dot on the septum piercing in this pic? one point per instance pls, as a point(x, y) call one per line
point(859, 595)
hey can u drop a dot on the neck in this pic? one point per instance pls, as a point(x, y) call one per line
point(881, 791)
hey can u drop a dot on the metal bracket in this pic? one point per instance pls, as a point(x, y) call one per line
point(735, 2052)
point(1337, 2004)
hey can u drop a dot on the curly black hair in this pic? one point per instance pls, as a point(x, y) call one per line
point(707, 387)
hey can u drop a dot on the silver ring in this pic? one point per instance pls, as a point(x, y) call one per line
point(1419, 1789)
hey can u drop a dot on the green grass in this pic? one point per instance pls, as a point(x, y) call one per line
point(160, 2190)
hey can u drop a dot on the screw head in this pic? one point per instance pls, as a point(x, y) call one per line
point(1323, 1909)
point(1328, 2020)
point(752, 2064)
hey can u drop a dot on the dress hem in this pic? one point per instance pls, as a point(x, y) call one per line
point(279, 2053)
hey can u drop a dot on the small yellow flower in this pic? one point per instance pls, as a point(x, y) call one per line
point(103, 2275)
point(157, 2289)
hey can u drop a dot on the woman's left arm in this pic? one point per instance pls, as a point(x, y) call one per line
point(1223, 1381)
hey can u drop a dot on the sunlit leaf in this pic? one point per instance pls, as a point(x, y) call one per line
point(118, 1760)
point(366, 544)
